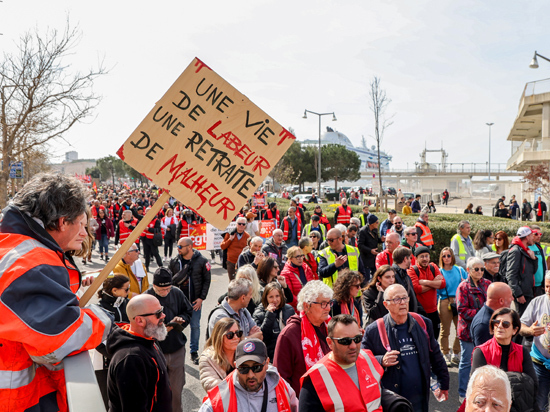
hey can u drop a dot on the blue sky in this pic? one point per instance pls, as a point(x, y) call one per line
point(449, 67)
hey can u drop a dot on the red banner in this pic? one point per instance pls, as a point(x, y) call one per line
point(198, 234)
point(268, 226)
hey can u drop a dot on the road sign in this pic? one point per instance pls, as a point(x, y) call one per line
point(16, 170)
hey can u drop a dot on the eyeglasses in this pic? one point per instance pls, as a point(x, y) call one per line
point(182, 246)
point(243, 370)
point(313, 236)
point(446, 256)
point(398, 301)
point(133, 250)
point(324, 304)
point(231, 334)
point(158, 313)
point(241, 224)
point(298, 257)
point(347, 341)
point(332, 240)
point(504, 323)
point(477, 269)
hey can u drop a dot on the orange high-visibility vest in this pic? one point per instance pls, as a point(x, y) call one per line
point(338, 392)
point(426, 236)
point(124, 231)
point(344, 216)
point(286, 227)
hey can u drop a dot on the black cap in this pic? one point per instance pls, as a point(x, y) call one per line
point(315, 217)
point(251, 349)
point(420, 250)
point(372, 219)
point(162, 277)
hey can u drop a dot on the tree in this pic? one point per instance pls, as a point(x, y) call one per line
point(41, 97)
point(110, 166)
point(338, 164)
point(93, 172)
point(132, 173)
point(378, 104)
point(537, 179)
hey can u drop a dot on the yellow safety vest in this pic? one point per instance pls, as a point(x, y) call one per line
point(353, 261)
point(461, 249)
point(323, 230)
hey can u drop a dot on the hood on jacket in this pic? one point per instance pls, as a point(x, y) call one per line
point(294, 319)
point(120, 338)
point(517, 241)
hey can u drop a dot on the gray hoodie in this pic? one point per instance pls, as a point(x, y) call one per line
point(252, 401)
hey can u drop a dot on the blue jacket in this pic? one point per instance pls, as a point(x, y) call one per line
point(479, 328)
point(430, 356)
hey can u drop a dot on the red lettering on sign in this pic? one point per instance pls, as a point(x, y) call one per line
point(262, 163)
point(200, 65)
point(174, 169)
point(120, 152)
point(211, 130)
point(285, 135)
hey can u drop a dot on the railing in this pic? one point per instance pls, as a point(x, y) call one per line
point(525, 146)
point(536, 87)
point(83, 394)
point(479, 168)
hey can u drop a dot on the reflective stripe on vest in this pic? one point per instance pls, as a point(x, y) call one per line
point(344, 216)
point(461, 249)
point(17, 379)
point(321, 226)
point(353, 261)
point(124, 232)
point(426, 237)
point(17, 252)
point(146, 232)
point(286, 228)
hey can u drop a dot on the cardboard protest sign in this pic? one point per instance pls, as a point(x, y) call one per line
point(268, 226)
point(206, 143)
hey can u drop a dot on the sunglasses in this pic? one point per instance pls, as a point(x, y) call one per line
point(446, 256)
point(504, 323)
point(181, 247)
point(477, 269)
point(332, 240)
point(412, 234)
point(298, 257)
point(347, 341)
point(243, 370)
point(158, 313)
point(231, 334)
point(241, 224)
point(498, 238)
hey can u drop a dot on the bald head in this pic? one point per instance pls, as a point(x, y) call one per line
point(499, 295)
point(334, 233)
point(141, 304)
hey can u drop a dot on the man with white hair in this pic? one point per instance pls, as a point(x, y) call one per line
point(488, 390)
point(234, 243)
point(386, 256)
point(253, 255)
point(276, 248)
point(292, 228)
point(398, 227)
point(138, 378)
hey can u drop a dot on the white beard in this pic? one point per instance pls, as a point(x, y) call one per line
point(156, 332)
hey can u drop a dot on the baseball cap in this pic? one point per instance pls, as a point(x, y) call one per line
point(490, 255)
point(315, 217)
point(523, 232)
point(250, 215)
point(250, 349)
point(162, 277)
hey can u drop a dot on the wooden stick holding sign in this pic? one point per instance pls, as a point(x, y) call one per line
point(147, 218)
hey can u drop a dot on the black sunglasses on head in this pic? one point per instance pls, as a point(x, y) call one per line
point(347, 341)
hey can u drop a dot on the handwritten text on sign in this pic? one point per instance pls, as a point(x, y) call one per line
point(207, 143)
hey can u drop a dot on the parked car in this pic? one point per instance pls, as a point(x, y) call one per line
point(302, 197)
point(409, 195)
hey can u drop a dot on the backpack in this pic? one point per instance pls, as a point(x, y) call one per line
point(218, 306)
point(384, 335)
point(415, 268)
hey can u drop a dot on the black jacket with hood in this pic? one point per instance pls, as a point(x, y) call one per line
point(138, 379)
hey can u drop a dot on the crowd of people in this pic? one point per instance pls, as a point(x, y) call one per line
point(350, 316)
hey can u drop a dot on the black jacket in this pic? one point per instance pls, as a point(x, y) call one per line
point(524, 392)
point(368, 240)
point(373, 302)
point(246, 258)
point(520, 271)
point(108, 303)
point(199, 271)
point(404, 280)
point(175, 304)
point(429, 354)
point(138, 379)
point(277, 252)
point(269, 323)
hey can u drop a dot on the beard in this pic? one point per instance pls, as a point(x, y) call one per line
point(157, 332)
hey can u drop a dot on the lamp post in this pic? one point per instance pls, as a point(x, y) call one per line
point(319, 159)
point(489, 169)
point(534, 63)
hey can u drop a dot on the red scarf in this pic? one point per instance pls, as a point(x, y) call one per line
point(310, 343)
point(344, 309)
point(517, 241)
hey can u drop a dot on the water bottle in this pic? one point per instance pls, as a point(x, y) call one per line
point(435, 387)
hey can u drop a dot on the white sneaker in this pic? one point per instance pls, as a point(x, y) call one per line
point(448, 357)
point(455, 359)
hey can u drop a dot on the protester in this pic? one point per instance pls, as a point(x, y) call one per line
point(113, 297)
point(368, 242)
point(346, 290)
point(296, 272)
point(488, 389)
point(217, 359)
point(373, 295)
point(252, 255)
point(276, 248)
point(462, 245)
point(492, 267)
point(291, 226)
point(315, 226)
point(386, 256)
point(130, 266)
point(306, 245)
point(409, 353)
point(470, 297)
point(243, 389)
point(316, 240)
point(292, 357)
point(346, 360)
point(103, 233)
point(234, 243)
point(538, 250)
point(501, 242)
point(402, 258)
point(169, 224)
point(150, 249)
point(125, 226)
point(138, 377)
point(447, 304)
point(268, 272)
point(272, 315)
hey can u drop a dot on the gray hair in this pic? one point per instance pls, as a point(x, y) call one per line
point(49, 197)
point(248, 272)
point(291, 208)
point(241, 220)
point(355, 221)
point(490, 372)
point(461, 224)
point(342, 228)
point(410, 229)
point(256, 239)
point(392, 287)
point(422, 215)
point(547, 276)
point(238, 288)
point(311, 291)
point(474, 261)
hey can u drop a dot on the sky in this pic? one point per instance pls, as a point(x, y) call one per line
point(449, 67)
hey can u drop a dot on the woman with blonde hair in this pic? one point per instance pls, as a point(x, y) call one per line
point(218, 358)
point(248, 272)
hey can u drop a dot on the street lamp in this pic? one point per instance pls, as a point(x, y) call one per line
point(319, 160)
point(534, 63)
point(489, 170)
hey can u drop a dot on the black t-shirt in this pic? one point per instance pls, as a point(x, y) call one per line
point(409, 360)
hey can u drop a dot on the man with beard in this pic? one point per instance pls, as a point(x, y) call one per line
point(346, 360)
point(253, 386)
point(138, 378)
point(179, 310)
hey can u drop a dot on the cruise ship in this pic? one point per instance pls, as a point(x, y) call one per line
point(369, 157)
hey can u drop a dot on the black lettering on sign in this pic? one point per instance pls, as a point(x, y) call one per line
point(152, 150)
point(262, 130)
point(184, 103)
point(213, 95)
point(194, 112)
point(145, 140)
point(244, 186)
point(192, 141)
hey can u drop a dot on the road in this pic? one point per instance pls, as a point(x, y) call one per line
point(193, 393)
